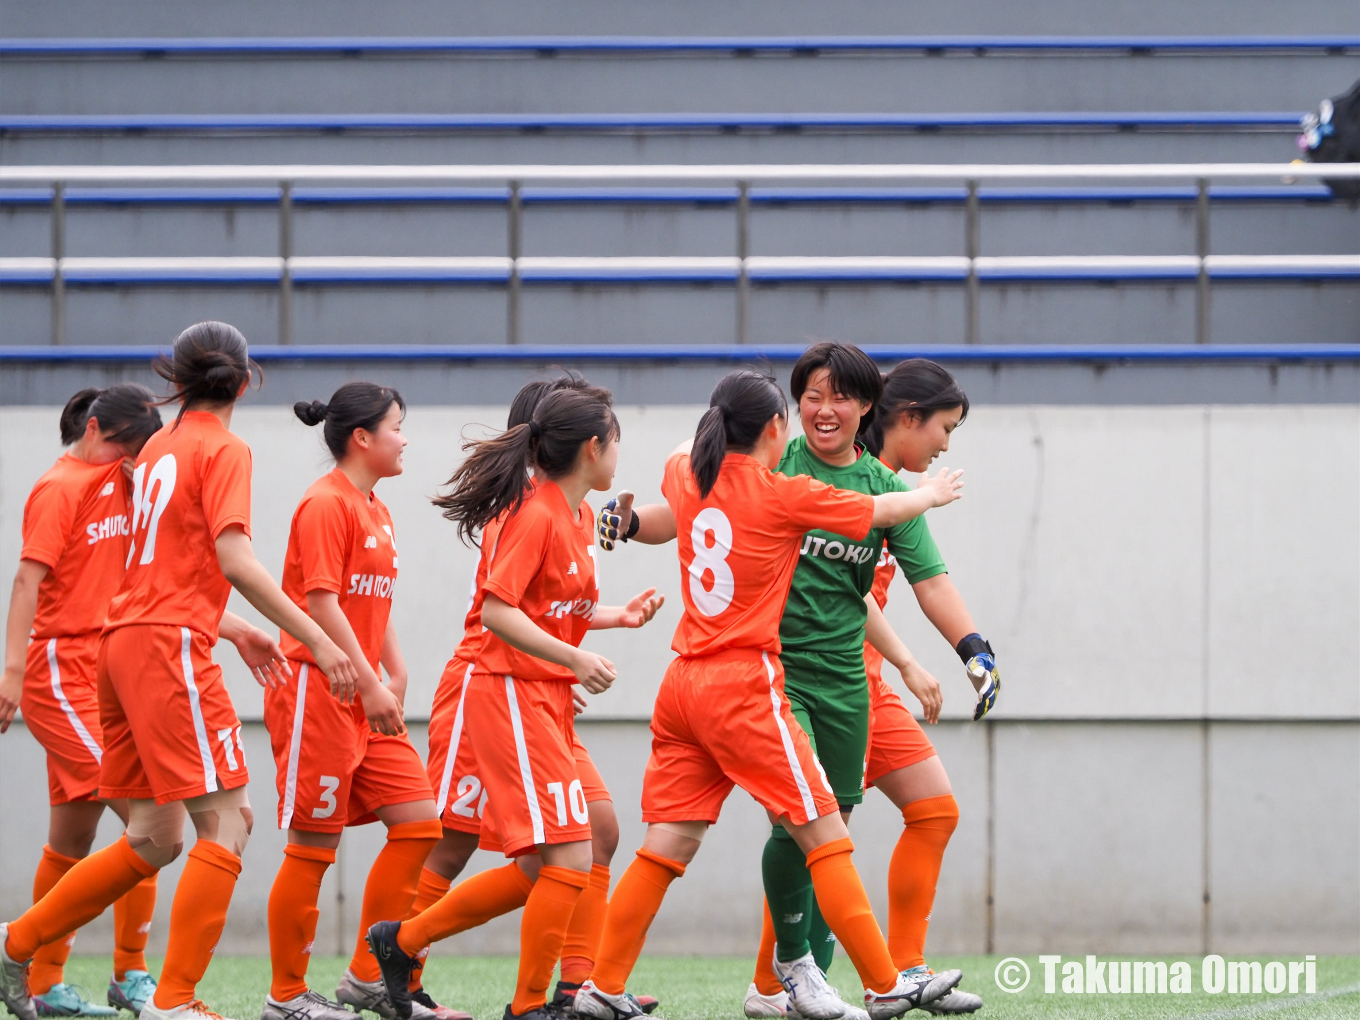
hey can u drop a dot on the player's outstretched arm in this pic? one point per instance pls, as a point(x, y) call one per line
point(620, 521)
point(510, 623)
point(639, 610)
point(258, 650)
point(918, 680)
point(944, 607)
point(248, 576)
point(23, 607)
point(894, 508)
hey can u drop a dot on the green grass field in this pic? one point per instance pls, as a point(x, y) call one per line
point(710, 988)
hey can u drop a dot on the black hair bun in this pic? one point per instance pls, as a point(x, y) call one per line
point(313, 413)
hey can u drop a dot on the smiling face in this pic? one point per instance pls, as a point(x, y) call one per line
point(911, 443)
point(381, 449)
point(830, 418)
point(599, 461)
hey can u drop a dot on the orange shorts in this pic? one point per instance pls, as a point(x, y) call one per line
point(60, 702)
point(896, 739)
point(170, 731)
point(722, 721)
point(331, 769)
point(525, 749)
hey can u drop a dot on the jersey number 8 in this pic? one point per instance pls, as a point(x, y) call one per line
point(711, 560)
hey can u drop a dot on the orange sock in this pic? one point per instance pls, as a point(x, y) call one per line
point(845, 906)
point(391, 885)
point(766, 982)
point(542, 930)
point(79, 897)
point(913, 874)
point(197, 916)
point(429, 891)
point(587, 922)
point(49, 961)
point(468, 904)
point(634, 904)
point(293, 915)
point(131, 925)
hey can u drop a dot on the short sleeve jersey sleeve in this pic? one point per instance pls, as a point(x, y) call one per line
point(911, 543)
point(226, 488)
point(325, 535)
point(521, 549)
point(810, 504)
point(49, 518)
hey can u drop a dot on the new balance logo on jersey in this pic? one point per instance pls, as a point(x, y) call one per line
point(377, 585)
point(107, 490)
point(572, 569)
point(815, 545)
point(571, 607)
point(109, 527)
point(370, 542)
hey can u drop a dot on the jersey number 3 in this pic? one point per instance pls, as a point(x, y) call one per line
point(144, 512)
point(711, 584)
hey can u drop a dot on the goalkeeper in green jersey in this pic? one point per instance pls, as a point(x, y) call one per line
point(851, 415)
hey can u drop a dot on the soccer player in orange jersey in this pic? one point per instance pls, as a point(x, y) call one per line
point(172, 738)
point(721, 717)
point(539, 598)
point(75, 543)
point(461, 800)
point(342, 753)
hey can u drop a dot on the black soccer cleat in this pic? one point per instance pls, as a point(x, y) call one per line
point(394, 964)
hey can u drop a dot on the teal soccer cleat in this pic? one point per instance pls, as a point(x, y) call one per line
point(68, 1000)
point(133, 992)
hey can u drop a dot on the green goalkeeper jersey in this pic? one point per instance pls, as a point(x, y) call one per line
point(825, 612)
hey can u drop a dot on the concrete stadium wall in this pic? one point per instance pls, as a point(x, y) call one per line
point(1173, 592)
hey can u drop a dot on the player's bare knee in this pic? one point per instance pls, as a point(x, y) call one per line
point(156, 831)
point(604, 831)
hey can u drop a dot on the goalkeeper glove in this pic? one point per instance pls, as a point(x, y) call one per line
point(607, 526)
point(980, 662)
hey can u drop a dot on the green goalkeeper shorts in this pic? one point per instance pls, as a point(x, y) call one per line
point(829, 695)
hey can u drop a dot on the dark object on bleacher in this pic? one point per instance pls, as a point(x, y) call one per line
point(1332, 135)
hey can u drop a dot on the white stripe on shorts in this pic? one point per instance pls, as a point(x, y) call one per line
point(196, 710)
point(454, 739)
point(294, 751)
point(521, 749)
point(72, 715)
point(809, 805)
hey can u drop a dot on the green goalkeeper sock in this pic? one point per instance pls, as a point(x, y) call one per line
point(821, 940)
point(788, 890)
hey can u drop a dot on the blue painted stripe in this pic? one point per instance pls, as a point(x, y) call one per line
point(722, 352)
point(207, 122)
point(285, 45)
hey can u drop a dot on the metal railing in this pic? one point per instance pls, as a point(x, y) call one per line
point(971, 269)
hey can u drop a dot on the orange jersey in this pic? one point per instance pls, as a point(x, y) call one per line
point(883, 575)
point(341, 541)
point(739, 547)
point(192, 482)
point(76, 524)
point(545, 565)
point(472, 622)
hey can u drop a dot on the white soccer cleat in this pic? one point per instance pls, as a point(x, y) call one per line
point(372, 996)
point(191, 1010)
point(14, 991)
point(956, 1000)
point(912, 991)
point(810, 995)
point(309, 1005)
point(592, 1002)
point(759, 1006)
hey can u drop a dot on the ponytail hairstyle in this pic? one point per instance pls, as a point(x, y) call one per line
point(852, 372)
point(356, 405)
point(741, 406)
point(492, 479)
point(918, 387)
point(522, 407)
point(126, 413)
point(209, 365)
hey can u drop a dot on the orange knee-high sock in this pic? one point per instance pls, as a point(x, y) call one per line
point(542, 930)
point(587, 923)
point(78, 898)
point(766, 982)
point(468, 904)
point(50, 960)
point(292, 916)
point(429, 891)
point(131, 925)
point(391, 885)
point(632, 908)
point(197, 915)
point(913, 874)
point(845, 907)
